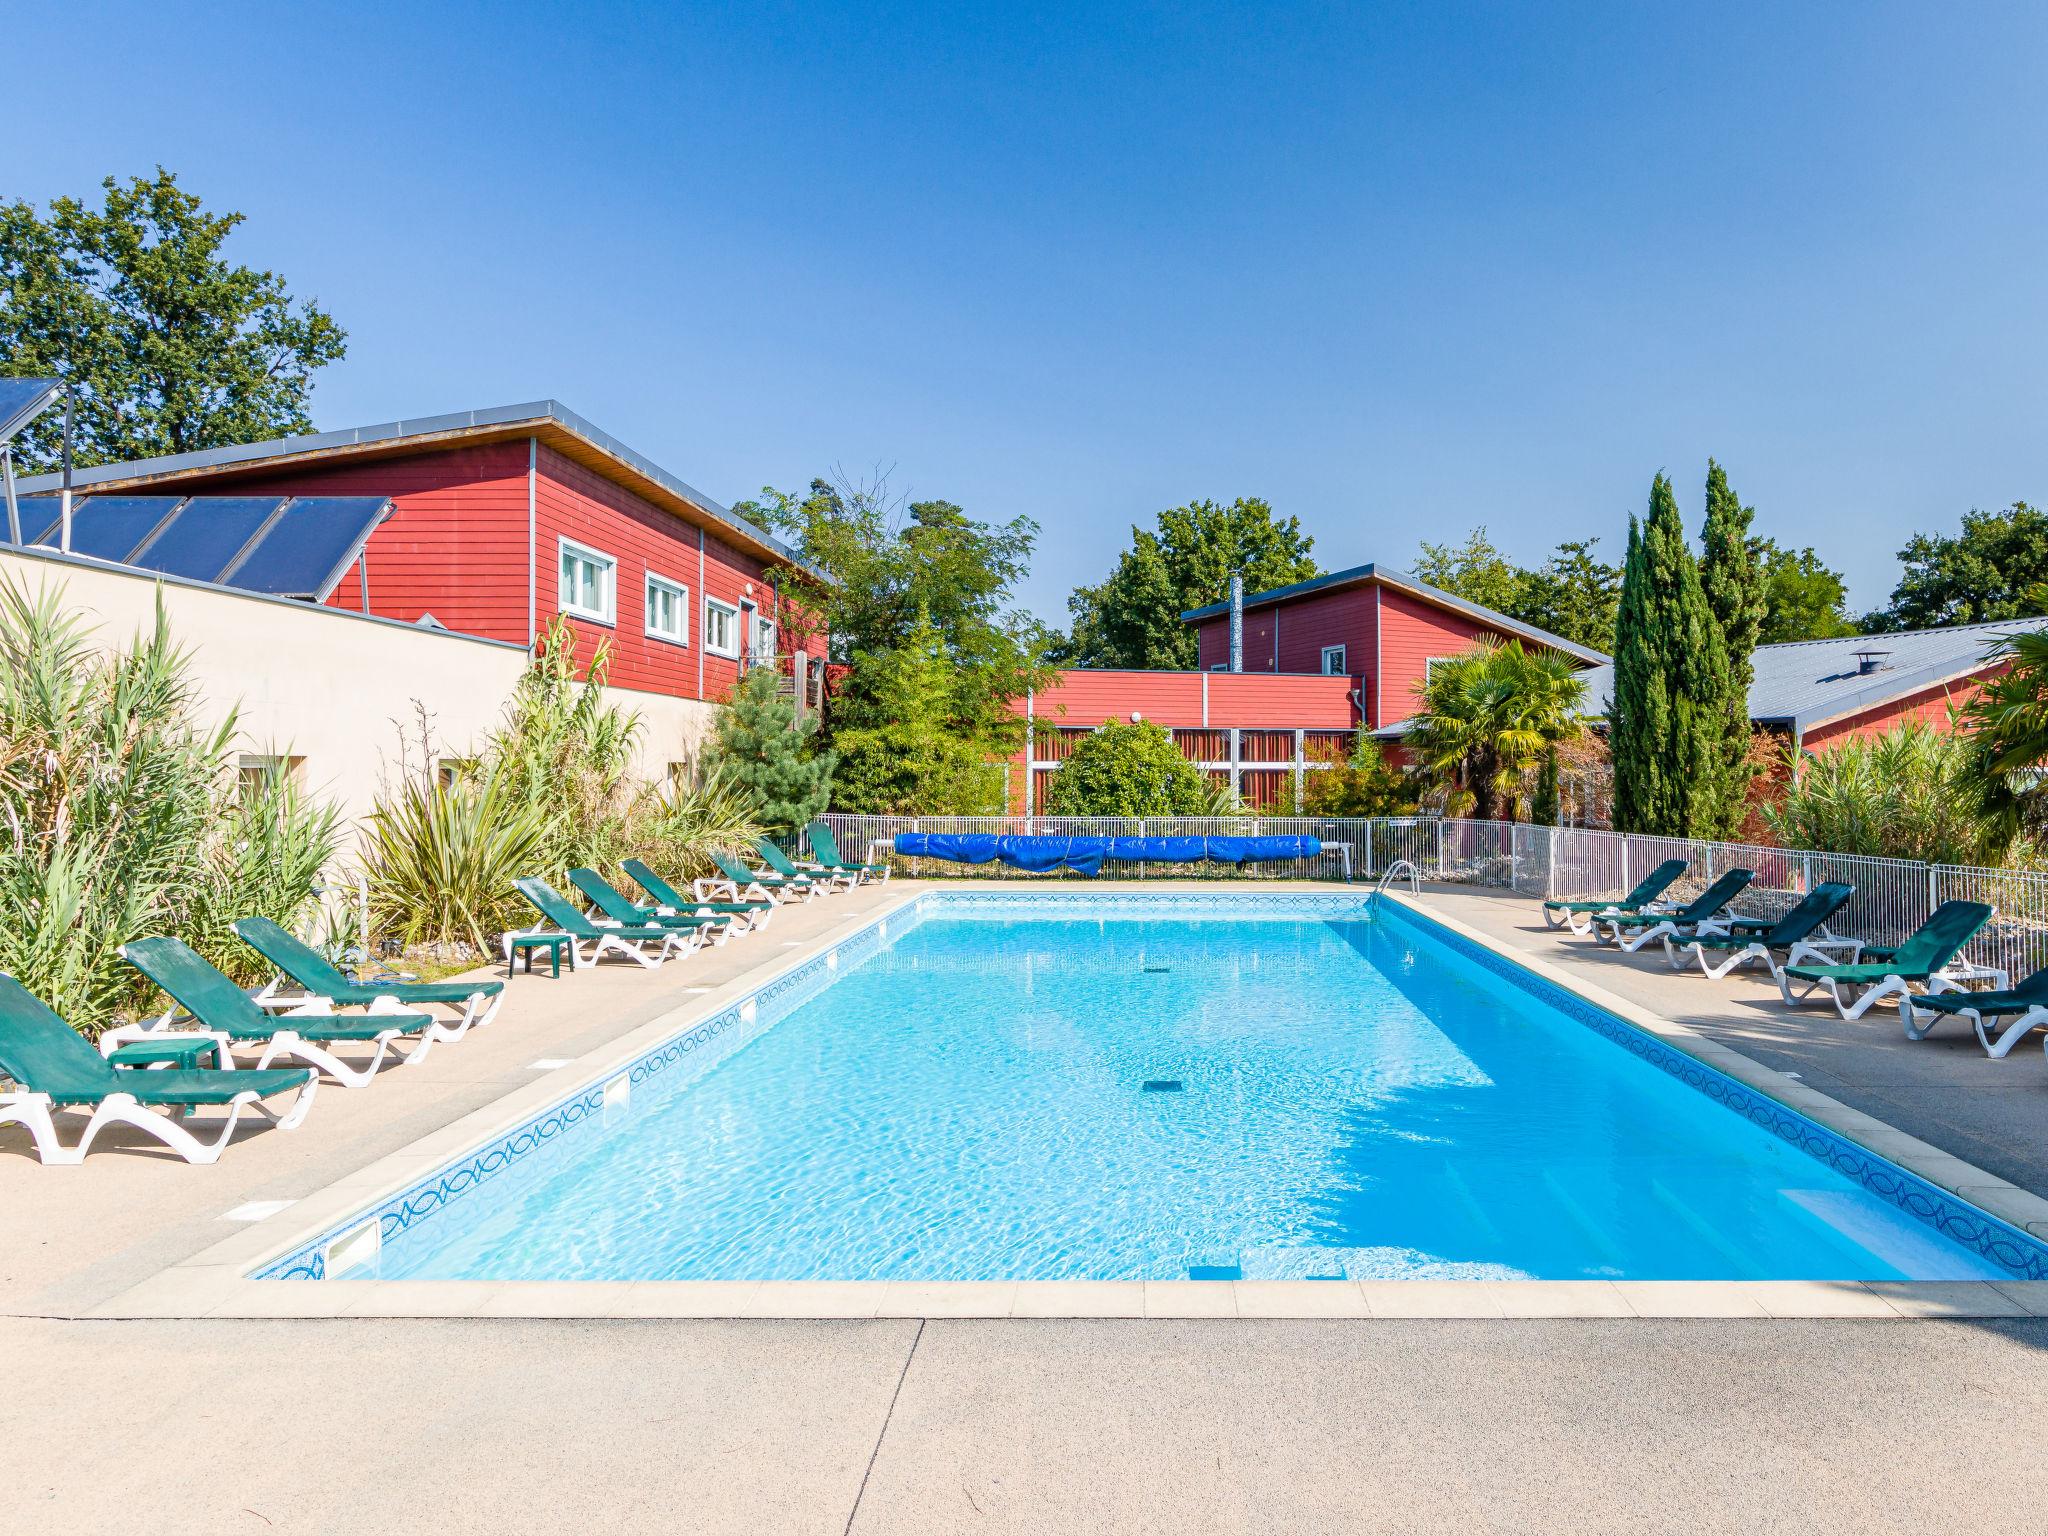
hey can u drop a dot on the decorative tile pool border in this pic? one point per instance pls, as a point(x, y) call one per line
point(706, 1043)
point(682, 1059)
point(2018, 1253)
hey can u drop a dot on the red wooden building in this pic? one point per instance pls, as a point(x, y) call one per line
point(504, 518)
point(1381, 628)
point(1319, 659)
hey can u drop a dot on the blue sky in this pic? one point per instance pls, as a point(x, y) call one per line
point(1399, 269)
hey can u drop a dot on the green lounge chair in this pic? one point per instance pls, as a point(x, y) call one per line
point(630, 940)
point(1700, 915)
point(307, 969)
point(2025, 1003)
point(610, 905)
point(1924, 957)
point(1802, 932)
point(825, 854)
point(299, 1033)
point(668, 898)
point(739, 880)
point(53, 1068)
point(783, 865)
point(1579, 915)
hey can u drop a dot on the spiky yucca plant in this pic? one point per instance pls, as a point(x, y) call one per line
point(441, 859)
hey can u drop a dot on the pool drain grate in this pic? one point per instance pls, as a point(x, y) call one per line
point(1158, 970)
point(1163, 1085)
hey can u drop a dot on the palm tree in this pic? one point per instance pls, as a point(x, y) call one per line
point(1489, 715)
point(2007, 724)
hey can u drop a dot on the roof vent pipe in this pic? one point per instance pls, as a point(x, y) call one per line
point(1236, 623)
point(1868, 662)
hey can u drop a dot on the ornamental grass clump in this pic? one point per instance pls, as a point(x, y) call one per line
point(552, 789)
point(1911, 793)
point(122, 816)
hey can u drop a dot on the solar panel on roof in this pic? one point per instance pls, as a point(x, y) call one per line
point(306, 550)
point(21, 401)
point(38, 515)
point(112, 527)
point(206, 535)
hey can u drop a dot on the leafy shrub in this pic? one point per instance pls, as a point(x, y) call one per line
point(1910, 793)
point(1127, 770)
point(1364, 784)
point(551, 789)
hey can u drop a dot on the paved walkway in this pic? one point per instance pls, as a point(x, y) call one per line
point(908, 1426)
point(1943, 1089)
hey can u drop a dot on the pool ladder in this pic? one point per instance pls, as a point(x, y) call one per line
point(1397, 869)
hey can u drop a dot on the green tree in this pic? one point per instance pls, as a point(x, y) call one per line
point(1573, 594)
point(168, 347)
point(1977, 576)
point(761, 747)
point(1475, 570)
point(1488, 715)
point(1803, 598)
point(1132, 619)
point(1733, 581)
point(1128, 770)
point(892, 568)
point(1669, 707)
point(1364, 784)
point(919, 760)
point(1544, 803)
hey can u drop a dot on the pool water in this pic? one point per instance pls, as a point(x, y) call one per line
point(1140, 1097)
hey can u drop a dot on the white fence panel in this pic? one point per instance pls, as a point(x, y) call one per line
point(1893, 896)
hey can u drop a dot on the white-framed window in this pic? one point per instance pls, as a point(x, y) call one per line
point(590, 583)
point(764, 636)
point(668, 610)
point(1429, 668)
point(721, 628)
point(1333, 661)
point(255, 774)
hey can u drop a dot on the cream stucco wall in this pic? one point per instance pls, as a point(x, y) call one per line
point(328, 687)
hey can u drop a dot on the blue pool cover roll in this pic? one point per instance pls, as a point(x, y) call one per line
point(1086, 855)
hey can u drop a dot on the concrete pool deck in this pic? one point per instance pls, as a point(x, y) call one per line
point(376, 1424)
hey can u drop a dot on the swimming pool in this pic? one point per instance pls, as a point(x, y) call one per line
point(1031, 1087)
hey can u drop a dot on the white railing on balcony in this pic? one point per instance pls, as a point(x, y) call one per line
point(1893, 896)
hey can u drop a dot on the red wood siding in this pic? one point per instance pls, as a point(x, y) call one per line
point(1411, 632)
point(455, 545)
point(1930, 706)
point(1304, 626)
point(1174, 699)
point(577, 504)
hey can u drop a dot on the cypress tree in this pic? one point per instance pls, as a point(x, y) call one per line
point(1732, 577)
point(1543, 806)
point(1670, 684)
